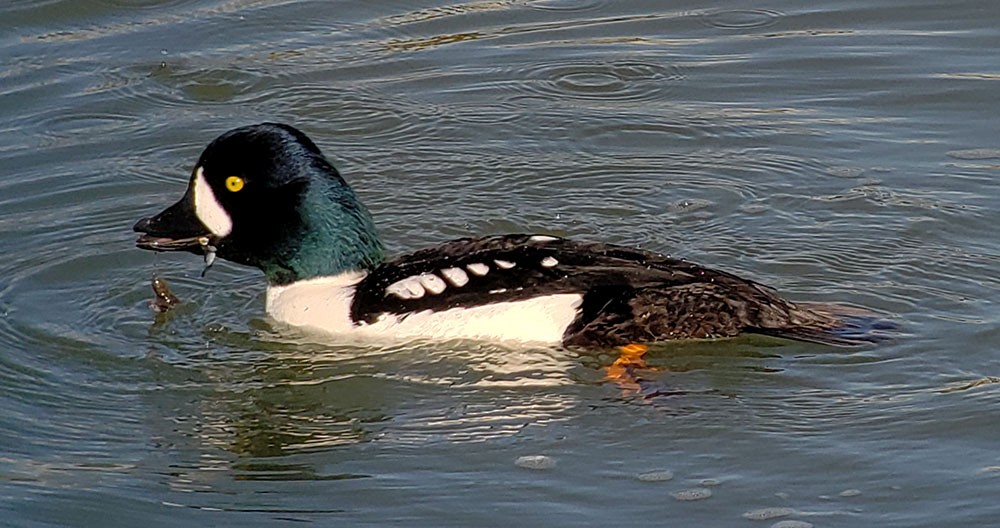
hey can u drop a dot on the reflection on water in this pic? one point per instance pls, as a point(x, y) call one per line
point(842, 153)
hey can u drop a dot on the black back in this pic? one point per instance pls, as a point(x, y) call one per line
point(615, 282)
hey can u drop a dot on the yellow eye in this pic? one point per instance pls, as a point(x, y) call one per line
point(234, 183)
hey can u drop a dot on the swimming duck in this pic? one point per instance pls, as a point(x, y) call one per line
point(265, 196)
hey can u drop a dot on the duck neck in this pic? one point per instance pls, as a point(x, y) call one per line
point(335, 234)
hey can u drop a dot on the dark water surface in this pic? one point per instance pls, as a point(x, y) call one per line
point(842, 151)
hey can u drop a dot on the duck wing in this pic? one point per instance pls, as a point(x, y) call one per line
point(628, 295)
point(476, 271)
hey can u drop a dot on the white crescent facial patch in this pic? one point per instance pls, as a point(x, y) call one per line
point(208, 209)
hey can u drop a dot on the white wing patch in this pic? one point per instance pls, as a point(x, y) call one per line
point(455, 276)
point(408, 288)
point(432, 283)
point(542, 238)
point(208, 209)
point(478, 268)
point(417, 286)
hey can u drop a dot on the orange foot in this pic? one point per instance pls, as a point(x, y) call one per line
point(622, 371)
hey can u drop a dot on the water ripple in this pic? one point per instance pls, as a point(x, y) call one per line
point(741, 19)
point(619, 80)
point(182, 84)
point(567, 5)
point(356, 117)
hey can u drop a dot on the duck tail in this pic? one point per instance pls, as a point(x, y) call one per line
point(843, 326)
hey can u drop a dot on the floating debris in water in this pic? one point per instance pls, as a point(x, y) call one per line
point(792, 523)
point(163, 299)
point(692, 494)
point(845, 172)
point(966, 385)
point(710, 482)
point(661, 475)
point(535, 462)
point(689, 205)
point(975, 154)
point(850, 493)
point(766, 514)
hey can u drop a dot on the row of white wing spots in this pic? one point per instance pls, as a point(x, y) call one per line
point(208, 209)
point(416, 286)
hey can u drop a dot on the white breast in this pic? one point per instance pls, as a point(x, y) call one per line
point(324, 304)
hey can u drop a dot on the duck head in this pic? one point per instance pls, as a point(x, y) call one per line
point(264, 196)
